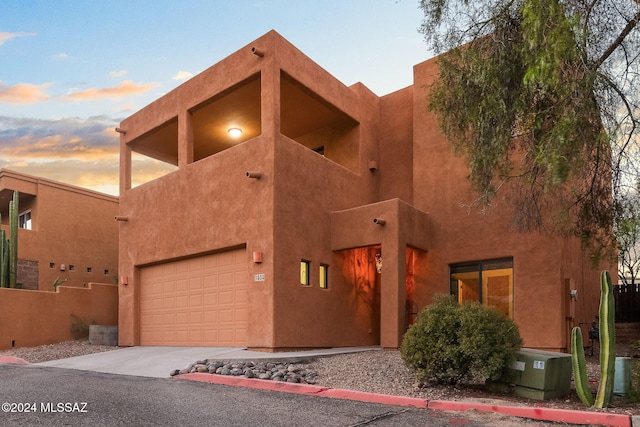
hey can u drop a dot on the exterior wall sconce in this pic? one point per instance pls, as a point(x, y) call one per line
point(121, 218)
point(373, 165)
point(257, 52)
point(254, 175)
point(257, 257)
point(124, 280)
point(62, 267)
point(379, 221)
point(122, 131)
point(234, 132)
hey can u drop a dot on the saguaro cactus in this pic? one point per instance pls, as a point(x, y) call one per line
point(4, 260)
point(607, 350)
point(607, 341)
point(9, 247)
point(13, 243)
point(580, 368)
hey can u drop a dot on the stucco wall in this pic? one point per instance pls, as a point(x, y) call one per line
point(541, 262)
point(30, 318)
point(71, 226)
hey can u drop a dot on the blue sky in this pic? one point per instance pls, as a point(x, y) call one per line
point(70, 71)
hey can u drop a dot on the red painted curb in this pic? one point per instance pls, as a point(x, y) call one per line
point(305, 389)
point(13, 360)
point(253, 383)
point(374, 398)
point(542, 414)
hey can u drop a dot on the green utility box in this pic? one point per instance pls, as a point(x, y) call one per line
point(541, 374)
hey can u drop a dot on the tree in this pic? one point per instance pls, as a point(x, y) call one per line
point(541, 96)
point(627, 230)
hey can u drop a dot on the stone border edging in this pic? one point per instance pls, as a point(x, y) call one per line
point(541, 414)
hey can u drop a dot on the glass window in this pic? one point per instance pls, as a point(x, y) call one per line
point(24, 220)
point(304, 273)
point(324, 279)
point(487, 282)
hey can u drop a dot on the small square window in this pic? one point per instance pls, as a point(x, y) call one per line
point(106, 272)
point(52, 265)
point(304, 273)
point(72, 267)
point(324, 276)
point(88, 269)
point(24, 220)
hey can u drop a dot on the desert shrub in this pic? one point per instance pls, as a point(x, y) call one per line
point(452, 341)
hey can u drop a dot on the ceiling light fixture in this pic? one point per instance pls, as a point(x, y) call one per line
point(235, 132)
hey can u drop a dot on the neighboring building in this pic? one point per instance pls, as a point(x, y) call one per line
point(330, 221)
point(65, 232)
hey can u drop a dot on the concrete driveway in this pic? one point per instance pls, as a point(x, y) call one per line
point(158, 362)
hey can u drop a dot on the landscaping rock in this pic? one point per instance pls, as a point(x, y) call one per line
point(264, 370)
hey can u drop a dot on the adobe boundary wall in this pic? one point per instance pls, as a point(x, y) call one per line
point(30, 318)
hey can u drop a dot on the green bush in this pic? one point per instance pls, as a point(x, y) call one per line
point(452, 341)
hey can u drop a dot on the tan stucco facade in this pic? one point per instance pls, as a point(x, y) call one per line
point(327, 175)
point(72, 234)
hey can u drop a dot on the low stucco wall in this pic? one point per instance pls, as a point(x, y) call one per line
point(30, 318)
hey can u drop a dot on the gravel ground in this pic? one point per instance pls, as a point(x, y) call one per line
point(379, 371)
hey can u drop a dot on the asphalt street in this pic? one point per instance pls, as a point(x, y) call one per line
point(45, 396)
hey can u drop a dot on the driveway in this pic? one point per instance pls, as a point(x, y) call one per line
point(158, 362)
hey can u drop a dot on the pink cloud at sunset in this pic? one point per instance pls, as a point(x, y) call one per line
point(4, 36)
point(125, 88)
point(23, 93)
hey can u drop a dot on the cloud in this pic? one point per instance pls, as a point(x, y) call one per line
point(25, 139)
point(125, 88)
point(60, 56)
point(118, 73)
point(182, 75)
point(82, 152)
point(8, 36)
point(23, 93)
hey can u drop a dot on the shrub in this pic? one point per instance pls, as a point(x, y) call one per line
point(452, 341)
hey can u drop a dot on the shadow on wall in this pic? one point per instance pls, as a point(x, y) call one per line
point(359, 268)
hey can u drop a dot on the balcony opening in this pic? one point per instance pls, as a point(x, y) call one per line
point(228, 119)
point(313, 122)
point(155, 153)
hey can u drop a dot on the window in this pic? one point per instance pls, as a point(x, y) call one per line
point(24, 220)
point(487, 282)
point(304, 273)
point(324, 276)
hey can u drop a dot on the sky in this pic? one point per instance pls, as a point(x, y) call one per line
point(70, 71)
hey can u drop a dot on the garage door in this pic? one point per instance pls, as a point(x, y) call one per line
point(199, 301)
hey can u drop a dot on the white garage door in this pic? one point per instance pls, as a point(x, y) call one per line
point(199, 301)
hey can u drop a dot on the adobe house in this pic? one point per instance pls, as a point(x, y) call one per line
point(65, 232)
point(330, 218)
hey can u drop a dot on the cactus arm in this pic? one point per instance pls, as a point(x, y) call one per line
point(13, 243)
point(580, 367)
point(4, 260)
point(607, 342)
